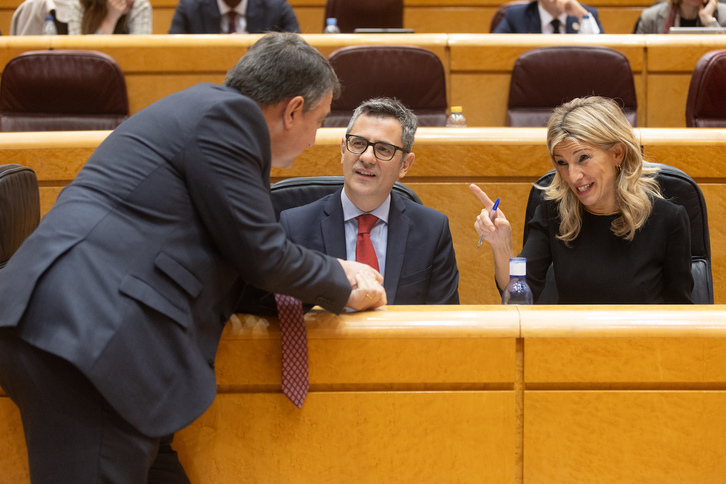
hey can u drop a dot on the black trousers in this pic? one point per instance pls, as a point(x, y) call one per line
point(72, 433)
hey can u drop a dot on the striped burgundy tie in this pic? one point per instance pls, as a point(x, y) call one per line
point(294, 340)
point(232, 17)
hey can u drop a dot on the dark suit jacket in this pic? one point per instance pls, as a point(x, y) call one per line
point(133, 273)
point(202, 17)
point(525, 19)
point(420, 261)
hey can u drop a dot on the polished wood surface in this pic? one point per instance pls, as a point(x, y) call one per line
point(500, 394)
point(478, 66)
point(629, 394)
point(503, 161)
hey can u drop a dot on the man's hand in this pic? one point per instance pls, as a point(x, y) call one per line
point(119, 7)
point(571, 7)
point(705, 13)
point(368, 291)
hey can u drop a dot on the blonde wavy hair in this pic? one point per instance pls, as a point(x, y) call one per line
point(600, 122)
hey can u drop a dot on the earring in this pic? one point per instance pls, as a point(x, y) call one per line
point(619, 168)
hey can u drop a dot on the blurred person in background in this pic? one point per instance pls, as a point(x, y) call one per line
point(659, 18)
point(233, 17)
point(549, 17)
point(110, 17)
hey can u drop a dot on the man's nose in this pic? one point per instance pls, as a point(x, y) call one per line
point(370, 156)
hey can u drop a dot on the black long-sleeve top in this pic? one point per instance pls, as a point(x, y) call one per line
point(602, 268)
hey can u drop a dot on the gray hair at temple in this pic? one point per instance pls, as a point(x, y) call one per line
point(385, 107)
point(281, 65)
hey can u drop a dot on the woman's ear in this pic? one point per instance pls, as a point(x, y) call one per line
point(619, 152)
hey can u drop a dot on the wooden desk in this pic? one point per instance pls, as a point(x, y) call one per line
point(478, 66)
point(503, 161)
point(155, 66)
point(624, 394)
point(496, 394)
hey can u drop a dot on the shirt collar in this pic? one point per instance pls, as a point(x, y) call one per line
point(546, 18)
point(350, 211)
point(239, 9)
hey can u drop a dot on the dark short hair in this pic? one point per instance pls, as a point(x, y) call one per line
point(391, 108)
point(282, 65)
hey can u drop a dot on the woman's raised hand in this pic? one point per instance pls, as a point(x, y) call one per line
point(491, 224)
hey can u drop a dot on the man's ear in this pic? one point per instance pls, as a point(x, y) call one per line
point(293, 111)
point(406, 164)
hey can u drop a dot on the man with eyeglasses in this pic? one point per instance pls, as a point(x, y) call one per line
point(412, 243)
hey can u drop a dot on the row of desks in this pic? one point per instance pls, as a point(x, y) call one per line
point(468, 394)
point(503, 161)
point(478, 67)
point(424, 16)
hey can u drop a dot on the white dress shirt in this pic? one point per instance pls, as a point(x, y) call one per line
point(379, 232)
point(546, 19)
point(240, 19)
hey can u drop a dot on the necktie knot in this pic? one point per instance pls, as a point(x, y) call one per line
point(555, 25)
point(366, 223)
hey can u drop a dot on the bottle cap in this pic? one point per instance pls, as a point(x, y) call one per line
point(331, 21)
point(455, 109)
point(49, 17)
point(518, 266)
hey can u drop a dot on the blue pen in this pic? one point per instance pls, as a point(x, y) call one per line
point(491, 217)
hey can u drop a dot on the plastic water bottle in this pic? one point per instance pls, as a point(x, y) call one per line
point(517, 290)
point(331, 26)
point(585, 25)
point(456, 119)
point(49, 26)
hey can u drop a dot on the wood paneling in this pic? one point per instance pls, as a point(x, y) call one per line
point(467, 394)
point(658, 437)
point(478, 66)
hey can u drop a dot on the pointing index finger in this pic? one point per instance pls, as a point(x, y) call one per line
point(483, 197)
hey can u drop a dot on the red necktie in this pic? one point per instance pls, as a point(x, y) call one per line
point(232, 24)
point(294, 340)
point(364, 251)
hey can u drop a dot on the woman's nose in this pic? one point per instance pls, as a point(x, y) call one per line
point(575, 172)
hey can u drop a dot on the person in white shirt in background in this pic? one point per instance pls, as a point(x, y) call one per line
point(539, 16)
point(30, 15)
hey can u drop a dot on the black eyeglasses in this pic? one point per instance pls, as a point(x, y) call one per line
point(382, 151)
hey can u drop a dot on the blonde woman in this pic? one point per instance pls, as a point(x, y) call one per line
point(603, 224)
point(110, 17)
point(659, 18)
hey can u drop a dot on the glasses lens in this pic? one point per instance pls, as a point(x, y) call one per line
point(357, 144)
point(384, 151)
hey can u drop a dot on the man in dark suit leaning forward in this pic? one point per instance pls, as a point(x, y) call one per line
point(412, 243)
point(111, 311)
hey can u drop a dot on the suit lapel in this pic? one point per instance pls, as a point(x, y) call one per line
point(398, 226)
point(332, 227)
point(211, 18)
point(534, 22)
point(253, 16)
